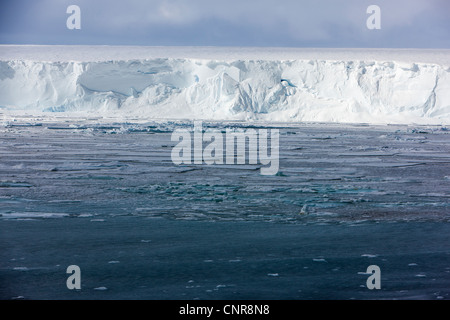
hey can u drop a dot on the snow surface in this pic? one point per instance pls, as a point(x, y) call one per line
point(267, 84)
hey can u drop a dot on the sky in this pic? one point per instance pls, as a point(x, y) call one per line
point(255, 23)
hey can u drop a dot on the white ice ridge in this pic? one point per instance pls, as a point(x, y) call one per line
point(183, 83)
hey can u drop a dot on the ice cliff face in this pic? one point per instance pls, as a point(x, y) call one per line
point(291, 90)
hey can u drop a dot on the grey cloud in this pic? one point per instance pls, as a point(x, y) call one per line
point(232, 22)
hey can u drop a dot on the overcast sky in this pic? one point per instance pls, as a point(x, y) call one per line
point(288, 23)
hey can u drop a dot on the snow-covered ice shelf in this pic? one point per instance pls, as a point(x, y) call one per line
point(271, 84)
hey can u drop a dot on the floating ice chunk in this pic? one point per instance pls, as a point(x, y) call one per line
point(367, 255)
point(21, 268)
point(85, 215)
point(33, 215)
point(305, 209)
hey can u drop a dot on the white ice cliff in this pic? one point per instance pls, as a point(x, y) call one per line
point(269, 90)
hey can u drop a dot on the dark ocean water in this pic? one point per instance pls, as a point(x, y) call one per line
point(108, 198)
